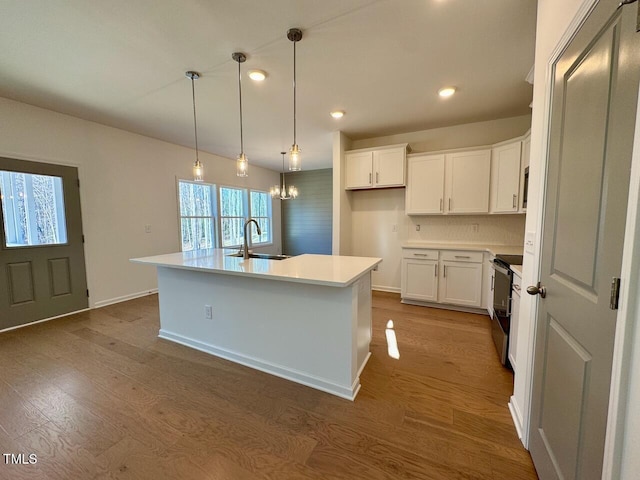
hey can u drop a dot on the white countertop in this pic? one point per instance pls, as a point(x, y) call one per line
point(517, 269)
point(327, 270)
point(492, 249)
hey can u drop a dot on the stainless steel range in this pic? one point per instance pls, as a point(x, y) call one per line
point(501, 320)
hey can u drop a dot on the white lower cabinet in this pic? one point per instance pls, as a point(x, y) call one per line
point(515, 320)
point(449, 277)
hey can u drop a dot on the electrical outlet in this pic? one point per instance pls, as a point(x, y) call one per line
point(417, 228)
point(208, 312)
point(147, 228)
point(394, 227)
point(476, 227)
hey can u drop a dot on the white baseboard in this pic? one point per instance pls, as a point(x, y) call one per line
point(383, 288)
point(517, 419)
point(279, 371)
point(124, 298)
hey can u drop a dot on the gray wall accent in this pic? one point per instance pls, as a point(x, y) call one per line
point(306, 221)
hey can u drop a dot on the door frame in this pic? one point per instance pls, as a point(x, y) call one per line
point(628, 318)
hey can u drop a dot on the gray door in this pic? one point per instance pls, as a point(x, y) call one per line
point(591, 138)
point(42, 269)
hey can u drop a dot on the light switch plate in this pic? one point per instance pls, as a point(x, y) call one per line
point(530, 242)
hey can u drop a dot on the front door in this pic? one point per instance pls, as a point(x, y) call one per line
point(593, 112)
point(42, 269)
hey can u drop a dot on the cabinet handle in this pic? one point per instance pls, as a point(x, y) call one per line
point(444, 272)
point(509, 306)
point(449, 203)
point(515, 203)
point(516, 287)
point(492, 280)
point(440, 204)
point(462, 256)
point(435, 270)
point(420, 254)
point(369, 178)
point(377, 177)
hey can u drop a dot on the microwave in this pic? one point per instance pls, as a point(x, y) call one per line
point(525, 189)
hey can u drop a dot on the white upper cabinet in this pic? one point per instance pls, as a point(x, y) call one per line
point(467, 181)
point(425, 184)
point(526, 155)
point(358, 170)
point(375, 168)
point(505, 177)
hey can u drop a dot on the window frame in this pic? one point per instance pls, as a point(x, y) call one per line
point(246, 210)
point(213, 217)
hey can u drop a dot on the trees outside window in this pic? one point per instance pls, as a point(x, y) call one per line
point(197, 215)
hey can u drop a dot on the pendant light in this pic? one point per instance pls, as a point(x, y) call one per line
point(295, 35)
point(281, 192)
point(242, 163)
point(198, 170)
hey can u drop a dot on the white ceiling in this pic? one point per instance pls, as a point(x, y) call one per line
point(122, 63)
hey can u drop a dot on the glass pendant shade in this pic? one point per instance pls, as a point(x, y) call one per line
point(198, 171)
point(242, 166)
point(295, 163)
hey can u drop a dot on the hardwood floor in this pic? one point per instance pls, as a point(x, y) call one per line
point(98, 395)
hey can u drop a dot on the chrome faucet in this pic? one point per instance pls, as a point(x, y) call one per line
point(245, 248)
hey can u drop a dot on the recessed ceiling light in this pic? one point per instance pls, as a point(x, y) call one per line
point(257, 75)
point(337, 114)
point(446, 91)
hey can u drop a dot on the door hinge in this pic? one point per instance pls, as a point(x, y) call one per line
point(615, 294)
point(82, 238)
point(87, 292)
point(78, 183)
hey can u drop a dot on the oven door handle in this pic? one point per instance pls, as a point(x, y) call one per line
point(504, 271)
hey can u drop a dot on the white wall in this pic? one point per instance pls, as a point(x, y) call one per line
point(341, 234)
point(127, 181)
point(379, 225)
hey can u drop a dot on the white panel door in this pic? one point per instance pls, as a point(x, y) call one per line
point(591, 142)
point(467, 184)
point(420, 280)
point(358, 170)
point(389, 167)
point(425, 185)
point(461, 283)
point(505, 178)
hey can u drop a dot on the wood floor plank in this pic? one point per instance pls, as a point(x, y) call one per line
point(98, 395)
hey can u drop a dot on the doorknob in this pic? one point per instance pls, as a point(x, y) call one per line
point(537, 290)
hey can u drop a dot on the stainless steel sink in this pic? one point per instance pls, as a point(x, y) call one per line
point(265, 256)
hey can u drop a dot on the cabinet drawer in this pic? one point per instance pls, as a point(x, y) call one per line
point(462, 256)
point(420, 253)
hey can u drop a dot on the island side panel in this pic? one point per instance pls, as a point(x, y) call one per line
point(362, 323)
point(298, 331)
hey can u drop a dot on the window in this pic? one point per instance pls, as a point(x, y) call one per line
point(261, 210)
point(197, 215)
point(235, 206)
point(32, 209)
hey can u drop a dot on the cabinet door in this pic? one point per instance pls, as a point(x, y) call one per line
point(505, 178)
point(461, 283)
point(420, 280)
point(358, 170)
point(425, 185)
point(467, 184)
point(490, 281)
point(388, 168)
point(513, 328)
point(526, 155)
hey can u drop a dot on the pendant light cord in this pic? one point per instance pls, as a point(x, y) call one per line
point(294, 92)
point(283, 191)
point(240, 97)
point(195, 122)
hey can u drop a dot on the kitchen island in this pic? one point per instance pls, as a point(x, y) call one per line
point(305, 318)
